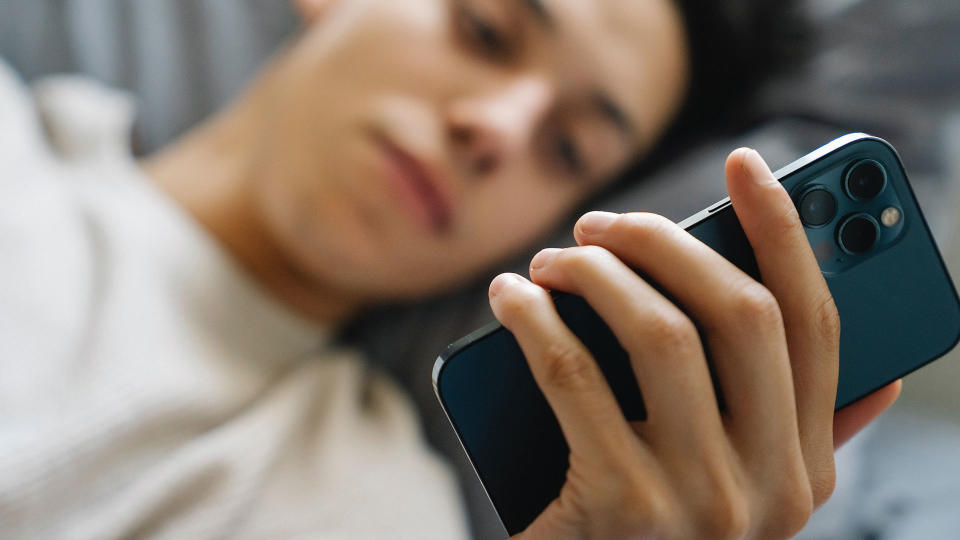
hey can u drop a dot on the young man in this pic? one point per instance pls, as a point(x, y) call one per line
point(169, 374)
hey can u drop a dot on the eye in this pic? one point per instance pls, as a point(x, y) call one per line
point(569, 155)
point(481, 32)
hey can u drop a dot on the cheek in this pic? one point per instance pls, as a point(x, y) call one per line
point(333, 75)
point(512, 215)
point(343, 80)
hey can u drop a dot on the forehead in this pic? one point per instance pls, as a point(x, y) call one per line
point(633, 50)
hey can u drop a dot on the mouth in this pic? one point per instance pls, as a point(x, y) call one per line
point(417, 186)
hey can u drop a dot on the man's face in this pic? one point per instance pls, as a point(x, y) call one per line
point(411, 144)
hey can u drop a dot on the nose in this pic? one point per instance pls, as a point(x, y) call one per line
point(487, 128)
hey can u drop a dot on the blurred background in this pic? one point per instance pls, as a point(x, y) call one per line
point(887, 67)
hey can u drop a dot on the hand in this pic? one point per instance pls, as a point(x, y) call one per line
point(758, 469)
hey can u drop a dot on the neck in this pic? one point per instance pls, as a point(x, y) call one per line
point(211, 174)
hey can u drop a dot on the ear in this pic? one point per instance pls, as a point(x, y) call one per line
point(311, 11)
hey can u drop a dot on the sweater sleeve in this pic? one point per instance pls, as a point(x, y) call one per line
point(21, 135)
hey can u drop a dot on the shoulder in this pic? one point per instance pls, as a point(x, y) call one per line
point(63, 117)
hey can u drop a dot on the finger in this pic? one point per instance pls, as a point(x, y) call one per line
point(683, 427)
point(790, 270)
point(740, 320)
point(849, 420)
point(663, 344)
point(571, 381)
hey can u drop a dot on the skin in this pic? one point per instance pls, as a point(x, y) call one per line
point(294, 180)
point(756, 470)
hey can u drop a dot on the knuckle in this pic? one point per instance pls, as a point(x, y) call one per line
point(756, 304)
point(797, 514)
point(786, 222)
point(781, 229)
point(567, 367)
point(641, 501)
point(673, 330)
point(827, 319)
point(789, 503)
point(792, 507)
point(727, 516)
point(632, 495)
point(822, 483)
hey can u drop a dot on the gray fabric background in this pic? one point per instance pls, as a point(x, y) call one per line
point(887, 67)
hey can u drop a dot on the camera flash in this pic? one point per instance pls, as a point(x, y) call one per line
point(890, 217)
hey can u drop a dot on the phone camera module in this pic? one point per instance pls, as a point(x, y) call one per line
point(858, 234)
point(865, 180)
point(817, 207)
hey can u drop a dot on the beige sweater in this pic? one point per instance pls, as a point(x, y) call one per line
point(149, 389)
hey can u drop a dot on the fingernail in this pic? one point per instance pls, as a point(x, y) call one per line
point(501, 281)
point(543, 258)
point(596, 222)
point(756, 167)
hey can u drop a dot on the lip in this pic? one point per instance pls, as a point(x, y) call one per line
point(417, 186)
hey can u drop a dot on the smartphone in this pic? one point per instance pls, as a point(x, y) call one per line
point(898, 311)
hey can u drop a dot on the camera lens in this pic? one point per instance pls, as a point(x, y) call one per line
point(817, 207)
point(865, 180)
point(858, 234)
